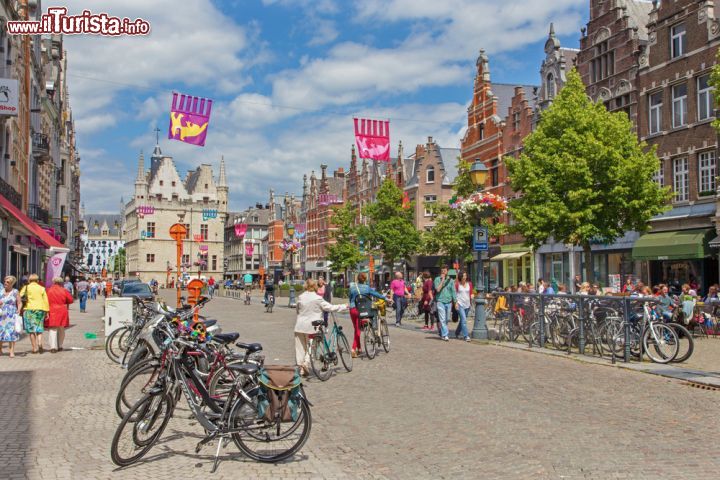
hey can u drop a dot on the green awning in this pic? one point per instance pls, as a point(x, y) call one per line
point(676, 245)
point(515, 248)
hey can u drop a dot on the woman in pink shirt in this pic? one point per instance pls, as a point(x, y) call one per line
point(400, 292)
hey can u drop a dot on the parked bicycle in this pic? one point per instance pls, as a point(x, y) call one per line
point(326, 346)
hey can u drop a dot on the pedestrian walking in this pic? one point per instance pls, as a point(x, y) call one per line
point(400, 292)
point(83, 288)
point(446, 297)
point(58, 317)
point(324, 291)
point(465, 295)
point(35, 309)
point(10, 305)
point(577, 284)
point(426, 301)
point(93, 288)
point(69, 286)
point(356, 289)
point(211, 286)
point(310, 307)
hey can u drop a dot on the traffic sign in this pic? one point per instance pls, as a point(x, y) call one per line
point(480, 239)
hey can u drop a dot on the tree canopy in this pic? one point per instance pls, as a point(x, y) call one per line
point(345, 253)
point(583, 175)
point(390, 230)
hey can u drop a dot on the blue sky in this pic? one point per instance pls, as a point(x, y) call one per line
point(287, 76)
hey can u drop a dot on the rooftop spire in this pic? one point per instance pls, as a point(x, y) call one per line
point(222, 181)
point(141, 169)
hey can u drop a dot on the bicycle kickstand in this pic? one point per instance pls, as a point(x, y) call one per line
point(205, 441)
point(221, 440)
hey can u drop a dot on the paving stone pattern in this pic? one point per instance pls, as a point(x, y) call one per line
point(429, 409)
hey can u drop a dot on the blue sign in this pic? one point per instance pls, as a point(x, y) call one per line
point(480, 239)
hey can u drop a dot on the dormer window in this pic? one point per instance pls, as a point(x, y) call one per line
point(550, 86)
point(430, 174)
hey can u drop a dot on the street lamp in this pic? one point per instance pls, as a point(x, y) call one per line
point(290, 229)
point(478, 176)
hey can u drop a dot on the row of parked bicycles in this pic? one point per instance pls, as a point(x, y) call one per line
point(617, 327)
point(174, 353)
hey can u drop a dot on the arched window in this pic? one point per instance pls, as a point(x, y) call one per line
point(550, 86)
point(482, 131)
point(430, 174)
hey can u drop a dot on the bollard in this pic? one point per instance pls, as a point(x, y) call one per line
point(511, 311)
point(541, 322)
point(626, 330)
point(581, 335)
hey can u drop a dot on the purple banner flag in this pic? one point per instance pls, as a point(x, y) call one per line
point(54, 268)
point(189, 119)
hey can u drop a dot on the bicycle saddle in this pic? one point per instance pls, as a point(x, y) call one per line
point(209, 322)
point(244, 368)
point(250, 347)
point(317, 323)
point(226, 337)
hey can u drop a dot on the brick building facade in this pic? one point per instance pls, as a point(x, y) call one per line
point(678, 109)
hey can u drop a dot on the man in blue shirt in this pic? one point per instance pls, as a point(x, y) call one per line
point(445, 297)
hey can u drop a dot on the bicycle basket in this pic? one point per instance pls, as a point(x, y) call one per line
point(279, 397)
point(364, 306)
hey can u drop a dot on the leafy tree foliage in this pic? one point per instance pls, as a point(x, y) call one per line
point(345, 253)
point(583, 175)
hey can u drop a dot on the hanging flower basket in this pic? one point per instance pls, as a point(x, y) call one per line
point(480, 205)
point(291, 246)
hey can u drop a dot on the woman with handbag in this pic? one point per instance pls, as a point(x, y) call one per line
point(58, 318)
point(10, 305)
point(35, 309)
point(426, 301)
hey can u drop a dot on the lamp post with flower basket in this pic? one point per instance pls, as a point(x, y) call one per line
point(290, 246)
point(477, 209)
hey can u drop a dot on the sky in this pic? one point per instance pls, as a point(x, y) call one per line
point(287, 77)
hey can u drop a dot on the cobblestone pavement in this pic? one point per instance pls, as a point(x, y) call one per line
point(429, 409)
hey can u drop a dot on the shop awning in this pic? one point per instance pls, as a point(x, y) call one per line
point(675, 245)
point(32, 228)
point(508, 256)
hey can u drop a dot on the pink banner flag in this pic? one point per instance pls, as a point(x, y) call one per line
point(240, 229)
point(249, 249)
point(373, 139)
point(54, 268)
point(189, 119)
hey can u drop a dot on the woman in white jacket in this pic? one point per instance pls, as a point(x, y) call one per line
point(310, 307)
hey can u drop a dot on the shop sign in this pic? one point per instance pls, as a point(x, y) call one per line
point(8, 97)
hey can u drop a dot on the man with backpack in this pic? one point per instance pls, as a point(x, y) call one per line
point(360, 306)
point(445, 297)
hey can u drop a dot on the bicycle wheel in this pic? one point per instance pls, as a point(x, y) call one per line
point(134, 385)
point(369, 340)
point(264, 441)
point(343, 349)
point(140, 428)
point(686, 343)
point(113, 344)
point(660, 343)
point(318, 358)
point(385, 336)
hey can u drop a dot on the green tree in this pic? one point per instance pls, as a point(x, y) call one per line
point(118, 262)
point(345, 253)
point(391, 230)
point(583, 175)
point(452, 234)
point(715, 82)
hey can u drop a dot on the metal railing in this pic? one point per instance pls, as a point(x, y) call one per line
point(7, 191)
point(569, 323)
point(39, 214)
point(41, 147)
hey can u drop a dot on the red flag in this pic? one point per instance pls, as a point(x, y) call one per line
point(249, 249)
point(373, 139)
point(240, 229)
point(406, 201)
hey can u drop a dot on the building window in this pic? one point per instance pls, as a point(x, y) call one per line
point(706, 162)
point(659, 175)
point(430, 201)
point(656, 112)
point(214, 262)
point(705, 98)
point(677, 40)
point(430, 174)
point(104, 233)
point(150, 230)
point(482, 131)
point(150, 258)
point(680, 179)
point(186, 259)
point(187, 229)
point(206, 186)
point(161, 183)
point(516, 121)
point(175, 196)
point(206, 200)
point(679, 105)
point(603, 65)
point(204, 231)
point(494, 173)
point(173, 183)
point(550, 86)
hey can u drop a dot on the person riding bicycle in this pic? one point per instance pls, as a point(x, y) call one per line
point(359, 289)
point(269, 290)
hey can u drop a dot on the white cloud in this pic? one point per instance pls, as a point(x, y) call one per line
point(94, 123)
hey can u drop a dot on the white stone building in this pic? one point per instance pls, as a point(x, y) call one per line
point(162, 199)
